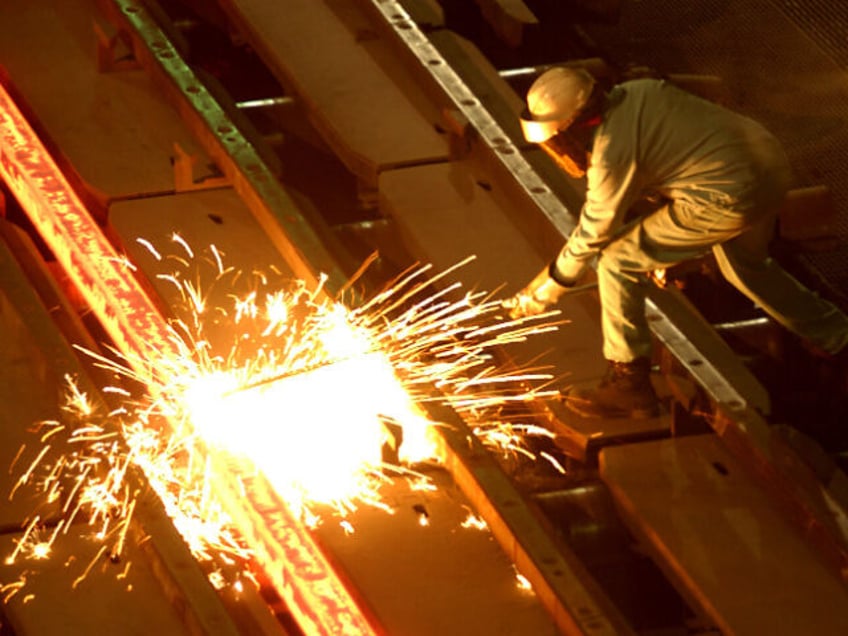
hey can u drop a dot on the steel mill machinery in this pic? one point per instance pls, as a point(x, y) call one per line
point(343, 144)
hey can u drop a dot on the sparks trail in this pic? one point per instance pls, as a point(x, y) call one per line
point(280, 379)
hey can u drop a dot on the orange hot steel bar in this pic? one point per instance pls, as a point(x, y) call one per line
point(300, 572)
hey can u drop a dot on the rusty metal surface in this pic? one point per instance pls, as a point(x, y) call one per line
point(75, 101)
point(347, 80)
point(670, 489)
point(815, 505)
point(293, 234)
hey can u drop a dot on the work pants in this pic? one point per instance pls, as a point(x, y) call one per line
point(682, 230)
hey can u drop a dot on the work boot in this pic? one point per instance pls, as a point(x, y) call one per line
point(624, 392)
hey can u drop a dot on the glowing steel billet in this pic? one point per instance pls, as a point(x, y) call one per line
point(270, 526)
point(303, 577)
point(128, 315)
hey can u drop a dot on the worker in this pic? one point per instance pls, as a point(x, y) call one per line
point(719, 180)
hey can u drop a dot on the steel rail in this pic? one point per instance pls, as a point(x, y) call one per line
point(573, 599)
point(126, 312)
point(292, 234)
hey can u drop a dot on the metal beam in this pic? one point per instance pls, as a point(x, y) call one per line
point(563, 585)
point(294, 235)
point(509, 158)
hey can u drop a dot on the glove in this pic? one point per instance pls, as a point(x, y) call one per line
point(542, 292)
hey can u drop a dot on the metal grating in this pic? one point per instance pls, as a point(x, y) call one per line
point(824, 21)
point(784, 62)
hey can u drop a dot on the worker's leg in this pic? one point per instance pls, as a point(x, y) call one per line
point(621, 284)
point(670, 235)
point(745, 263)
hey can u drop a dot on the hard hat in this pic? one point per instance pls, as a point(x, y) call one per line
point(554, 101)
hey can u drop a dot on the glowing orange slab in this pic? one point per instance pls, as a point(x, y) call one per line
point(302, 575)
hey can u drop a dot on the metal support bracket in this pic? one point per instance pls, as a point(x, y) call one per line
point(460, 132)
point(114, 52)
point(185, 179)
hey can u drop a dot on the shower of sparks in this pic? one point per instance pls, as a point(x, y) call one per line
point(523, 582)
point(474, 521)
point(286, 382)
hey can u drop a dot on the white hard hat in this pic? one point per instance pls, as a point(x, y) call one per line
point(554, 100)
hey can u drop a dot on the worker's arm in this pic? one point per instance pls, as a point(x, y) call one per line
point(613, 185)
point(612, 188)
point(542, 292)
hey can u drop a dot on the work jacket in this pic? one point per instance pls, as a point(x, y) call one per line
point(658, 140)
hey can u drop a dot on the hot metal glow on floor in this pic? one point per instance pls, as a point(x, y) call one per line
point(300, 572)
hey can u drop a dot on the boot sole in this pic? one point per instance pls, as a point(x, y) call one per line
point(646, 413)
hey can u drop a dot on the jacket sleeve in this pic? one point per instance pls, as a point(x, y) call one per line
point(612, 188)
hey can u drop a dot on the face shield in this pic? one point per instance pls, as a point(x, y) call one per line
point(568, 152)
point(553, 137)
point(537, 130)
